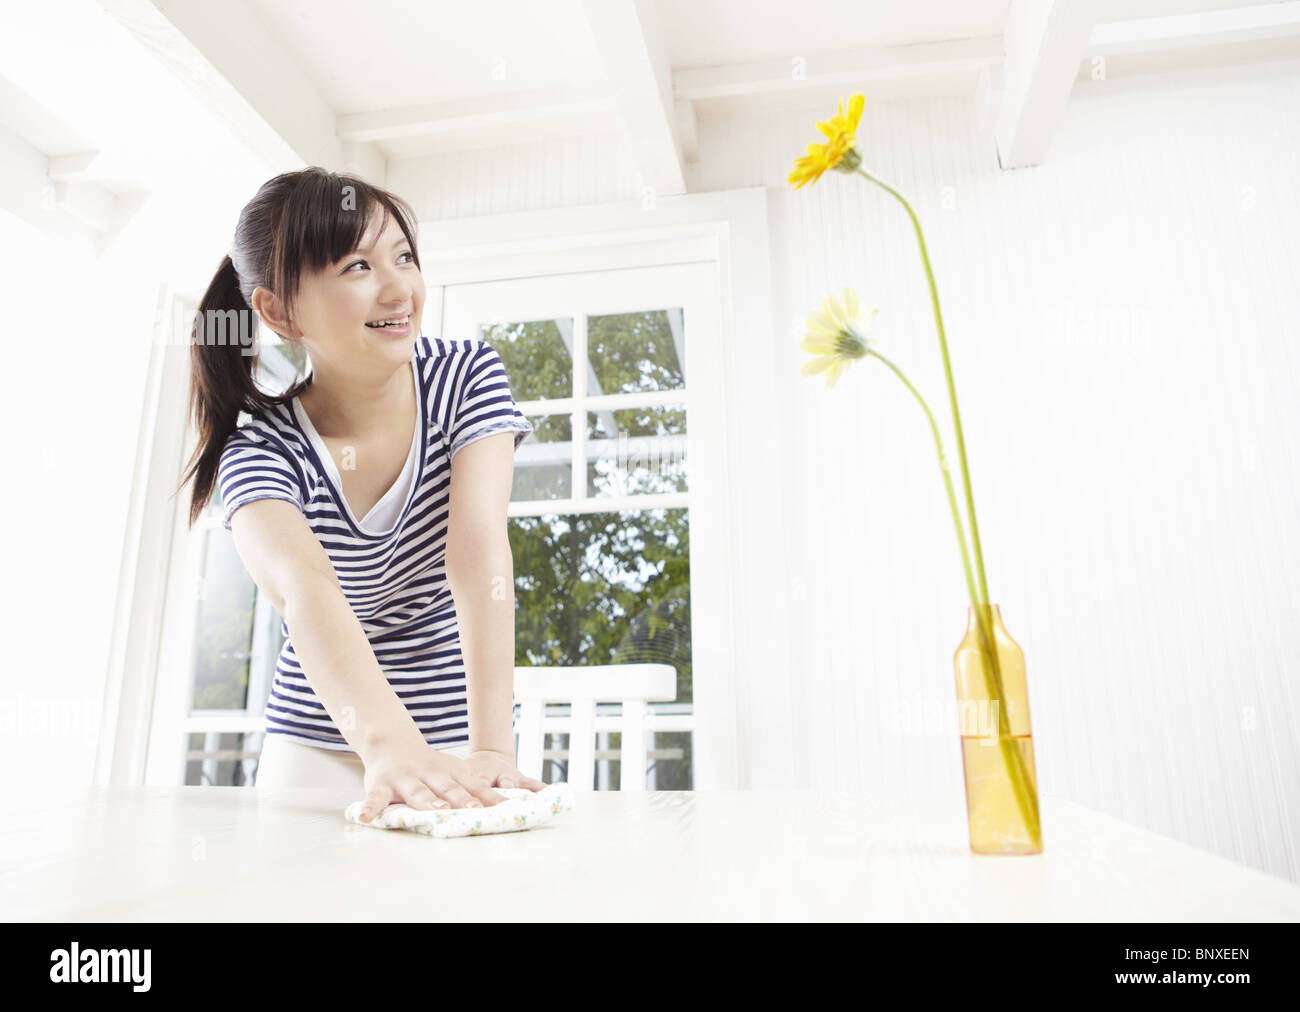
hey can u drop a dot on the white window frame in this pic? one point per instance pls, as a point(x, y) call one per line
point(730, 228)
point(574, 297)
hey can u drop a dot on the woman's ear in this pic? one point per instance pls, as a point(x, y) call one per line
point(267, 305)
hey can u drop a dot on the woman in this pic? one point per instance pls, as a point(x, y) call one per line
point(368, 502)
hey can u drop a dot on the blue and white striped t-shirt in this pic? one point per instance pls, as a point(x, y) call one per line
point(395, 581)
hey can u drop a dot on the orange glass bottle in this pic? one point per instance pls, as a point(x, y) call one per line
point(997, 747)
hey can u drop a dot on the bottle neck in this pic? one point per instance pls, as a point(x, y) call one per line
point(992, 612)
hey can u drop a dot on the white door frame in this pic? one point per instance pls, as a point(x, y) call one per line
point(145, 578)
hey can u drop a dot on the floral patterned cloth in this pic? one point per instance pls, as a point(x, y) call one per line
point(523, 809)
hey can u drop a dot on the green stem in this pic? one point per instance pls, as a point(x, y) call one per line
point(952, 390)
point(1026, 796)
point(943, 467)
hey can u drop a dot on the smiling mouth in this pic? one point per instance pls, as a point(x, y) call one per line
point(399, 322)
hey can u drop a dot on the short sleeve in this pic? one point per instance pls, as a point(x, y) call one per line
point(252, 468)
point(485, 405)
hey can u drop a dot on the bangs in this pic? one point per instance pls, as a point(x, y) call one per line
point(325, 219)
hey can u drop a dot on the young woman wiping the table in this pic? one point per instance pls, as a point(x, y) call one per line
point(368, 501)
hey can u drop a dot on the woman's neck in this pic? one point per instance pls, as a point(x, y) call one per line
point(348, 407)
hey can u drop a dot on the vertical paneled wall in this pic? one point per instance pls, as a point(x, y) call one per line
point(1121, 323)
point(564, 172)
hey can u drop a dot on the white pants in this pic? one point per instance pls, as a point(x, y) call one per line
point(286, 763)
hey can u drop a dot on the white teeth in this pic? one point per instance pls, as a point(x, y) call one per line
point(391, 323)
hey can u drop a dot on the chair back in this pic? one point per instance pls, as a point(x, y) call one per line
point(633, 685)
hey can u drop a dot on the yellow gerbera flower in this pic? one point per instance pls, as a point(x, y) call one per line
point(837, 153)
point(837, 335)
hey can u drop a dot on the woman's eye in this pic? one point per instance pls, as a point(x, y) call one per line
point(405, 253)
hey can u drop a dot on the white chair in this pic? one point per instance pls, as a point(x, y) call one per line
point(634, 685)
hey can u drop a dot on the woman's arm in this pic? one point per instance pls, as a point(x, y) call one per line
point(480, 572)
point(340, 665)
point(483, 589)
point(289, 565)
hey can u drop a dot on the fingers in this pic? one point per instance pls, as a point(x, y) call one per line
point(376, 801)
point(421, 795)
point(517, 779)
point(455, 787)
point(483, 792)
point(426, 797)
point(472, 793)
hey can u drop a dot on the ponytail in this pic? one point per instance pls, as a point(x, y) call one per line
point(222, 363)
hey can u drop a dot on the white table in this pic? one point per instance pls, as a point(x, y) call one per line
point(230, 854)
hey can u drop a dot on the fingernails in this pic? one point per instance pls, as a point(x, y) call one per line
point(473, 804)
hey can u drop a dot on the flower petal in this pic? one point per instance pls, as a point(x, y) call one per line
point(835, 311)
point(835, 373)
point(817, 344)
point(813, 366)
point(818, 320)
point(855, 111)
point(850, 302)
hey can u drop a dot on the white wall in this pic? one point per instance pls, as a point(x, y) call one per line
point(62, 493)
point(564, 172)
point(1120, 324)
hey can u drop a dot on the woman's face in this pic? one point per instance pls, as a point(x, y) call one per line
point(339, 308)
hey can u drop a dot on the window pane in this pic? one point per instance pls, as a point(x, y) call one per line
point(544, 464)
point(604, 588)
point(221, 759)
point(555, 750)
point(634, 352)
point(224, 635)
point(636, 451)
point(538, 356)
point(668, 760)
point(670, 767)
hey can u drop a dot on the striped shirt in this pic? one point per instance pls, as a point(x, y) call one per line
point(395, 579)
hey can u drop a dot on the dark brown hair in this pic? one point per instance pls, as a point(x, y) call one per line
point(305, 220)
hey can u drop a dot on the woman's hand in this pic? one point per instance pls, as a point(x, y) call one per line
point(421, 776)
point(498, 769)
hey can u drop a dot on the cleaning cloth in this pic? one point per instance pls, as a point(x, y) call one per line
point(522, 809)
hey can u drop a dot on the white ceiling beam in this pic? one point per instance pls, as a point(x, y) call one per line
point(225, 54)
point(1045, 41)
point(106, 167)
point(89, 203)
point(485, 112)
point(84, 166)
point(631, 46)
point(687, 130)
point(27, 192)
point(848, 67)
point(1236, 24)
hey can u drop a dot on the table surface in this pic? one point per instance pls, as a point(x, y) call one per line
point(237, 854)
